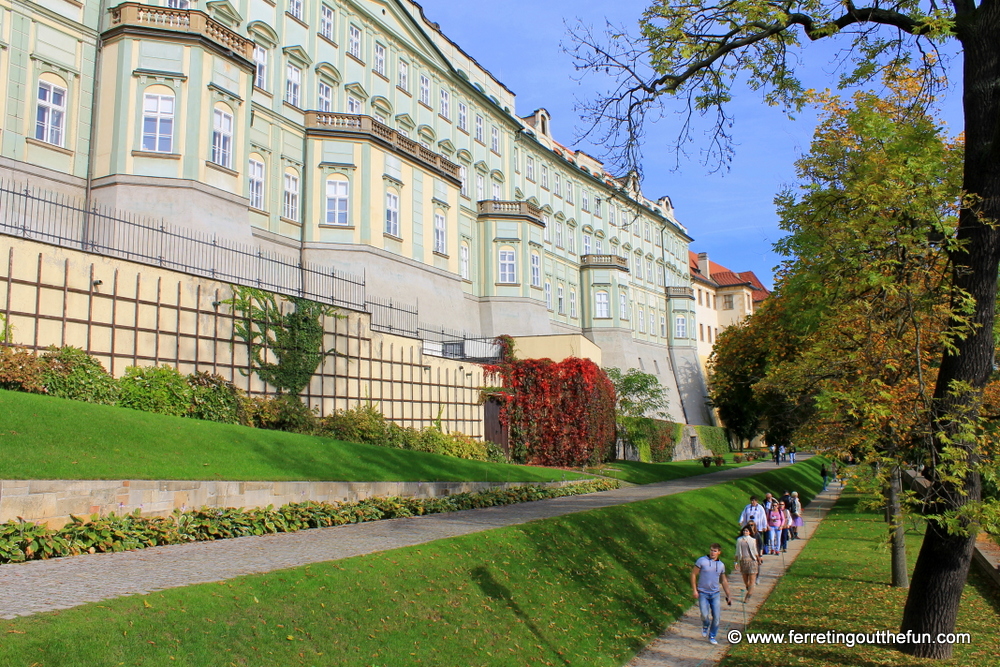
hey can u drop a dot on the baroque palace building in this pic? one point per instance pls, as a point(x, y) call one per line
point(352, 134)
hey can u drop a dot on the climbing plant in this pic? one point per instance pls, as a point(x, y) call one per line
point(559, 413)
point(284, 348)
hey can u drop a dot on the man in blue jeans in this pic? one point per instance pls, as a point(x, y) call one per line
point(709, 571)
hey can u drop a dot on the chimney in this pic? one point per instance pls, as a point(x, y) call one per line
point(703, 265)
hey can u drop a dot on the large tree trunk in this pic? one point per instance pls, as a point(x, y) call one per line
point(943, 563)
point(897, 531)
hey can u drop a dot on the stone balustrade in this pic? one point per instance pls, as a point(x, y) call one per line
point(180, 20)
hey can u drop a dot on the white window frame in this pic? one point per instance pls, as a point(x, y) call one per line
point(545, 176)
point(496, 191)
point(585, 199)
point(663, 326)
point(463, 116)
point(495, 139)
point(463, 173)
point(222, 138)
point(161, 139)
point(602, 305)
point(295, 8)
point(622, 307)
point(404, 76)
point(548, 295)
point(557, 185)
point(324, 94)
point(445, 109)
point(560, 299)
point(354, 41)
point(569, 192)
point(440, 234)
point(559, 234)
point(255, 177)
point(463, 261)
point(480, 187)
point(425, 89)
point(338, 202)
point(50, 120)
point(587, 242)
point(680, 327)
point(572, 303)
point(480, 132)
point(507, 267)
point(642, 320)
point(379, 65)
point(392, 214)
point(293, 84)
point(290, 199)
point(529, 168)
point(260, 64)
point(354, 105)
point(599, 249)
point(326, 21)
point(536, 269)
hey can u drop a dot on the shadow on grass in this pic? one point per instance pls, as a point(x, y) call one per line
point(494, 590)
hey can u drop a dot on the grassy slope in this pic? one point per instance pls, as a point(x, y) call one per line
point(586, 589)
point(637, 472)
point(42, 437)
point(840, 582)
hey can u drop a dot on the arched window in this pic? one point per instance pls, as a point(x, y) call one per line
point(507, 266)
point(50, 120)
point(602, 306)
point(158, 119)
point(338, 201)
point(290, 201)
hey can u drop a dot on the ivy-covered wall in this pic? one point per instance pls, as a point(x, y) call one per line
point(714, 438)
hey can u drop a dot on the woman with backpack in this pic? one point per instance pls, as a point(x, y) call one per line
point(796, 510)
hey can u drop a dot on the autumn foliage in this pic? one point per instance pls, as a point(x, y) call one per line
point(559, 413)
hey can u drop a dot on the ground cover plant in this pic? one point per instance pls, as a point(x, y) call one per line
point(21, 541)
point(840, 582)
point(586, 589)
point(52, 438)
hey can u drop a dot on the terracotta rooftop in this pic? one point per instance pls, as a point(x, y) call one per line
point(723, 277)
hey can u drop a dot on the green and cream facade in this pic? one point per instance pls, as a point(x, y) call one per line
point(356, 134)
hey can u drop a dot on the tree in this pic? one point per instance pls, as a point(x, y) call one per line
point(696, 49)
point(638, 394)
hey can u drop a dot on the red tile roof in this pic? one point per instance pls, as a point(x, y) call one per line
point(723, 277)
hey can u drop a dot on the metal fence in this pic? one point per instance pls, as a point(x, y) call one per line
point(57, 220)
point(63, 221)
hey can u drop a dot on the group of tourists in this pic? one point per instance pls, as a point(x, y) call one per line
point(765, 529)
point(781, 454)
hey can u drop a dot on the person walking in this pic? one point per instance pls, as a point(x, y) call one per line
point(791, 455)
point(782, 452)
point(796, 510)
point(786, 526)
point(825, 474)
point(709, 571)
point(775, 521)
point(754, 512)
point(748, 558)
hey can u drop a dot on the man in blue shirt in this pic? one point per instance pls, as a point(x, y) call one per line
point(709, 571)
point(754, 512)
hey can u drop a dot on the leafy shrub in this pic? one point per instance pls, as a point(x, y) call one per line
point(284, 412)
point(160, 389)
point(495, 453)
point(72, 373)
point(214, 398)
point(21, 541)
point(21, 370)
point(362, 424)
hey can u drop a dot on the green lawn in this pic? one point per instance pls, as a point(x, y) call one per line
point(637, 472)
point(840, 582)
point(42, 437)
point(587, 589)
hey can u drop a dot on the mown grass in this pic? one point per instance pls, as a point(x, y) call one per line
point(586, 589)
point(840, 582)
point(43, 437)
point(637, 472)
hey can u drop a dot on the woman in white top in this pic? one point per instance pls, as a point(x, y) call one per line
point(748, 558)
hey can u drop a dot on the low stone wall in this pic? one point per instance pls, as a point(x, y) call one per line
point(51, 502)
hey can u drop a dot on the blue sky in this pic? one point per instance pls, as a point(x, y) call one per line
point(729, 214)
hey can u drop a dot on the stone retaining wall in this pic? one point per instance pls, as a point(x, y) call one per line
point(53, 501)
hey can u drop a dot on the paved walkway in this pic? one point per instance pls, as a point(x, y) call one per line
point(61, 583)
point(682, 644)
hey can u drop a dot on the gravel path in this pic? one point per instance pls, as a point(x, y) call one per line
point(61, 583)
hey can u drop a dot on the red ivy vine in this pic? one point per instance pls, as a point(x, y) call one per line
point(559, 413)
